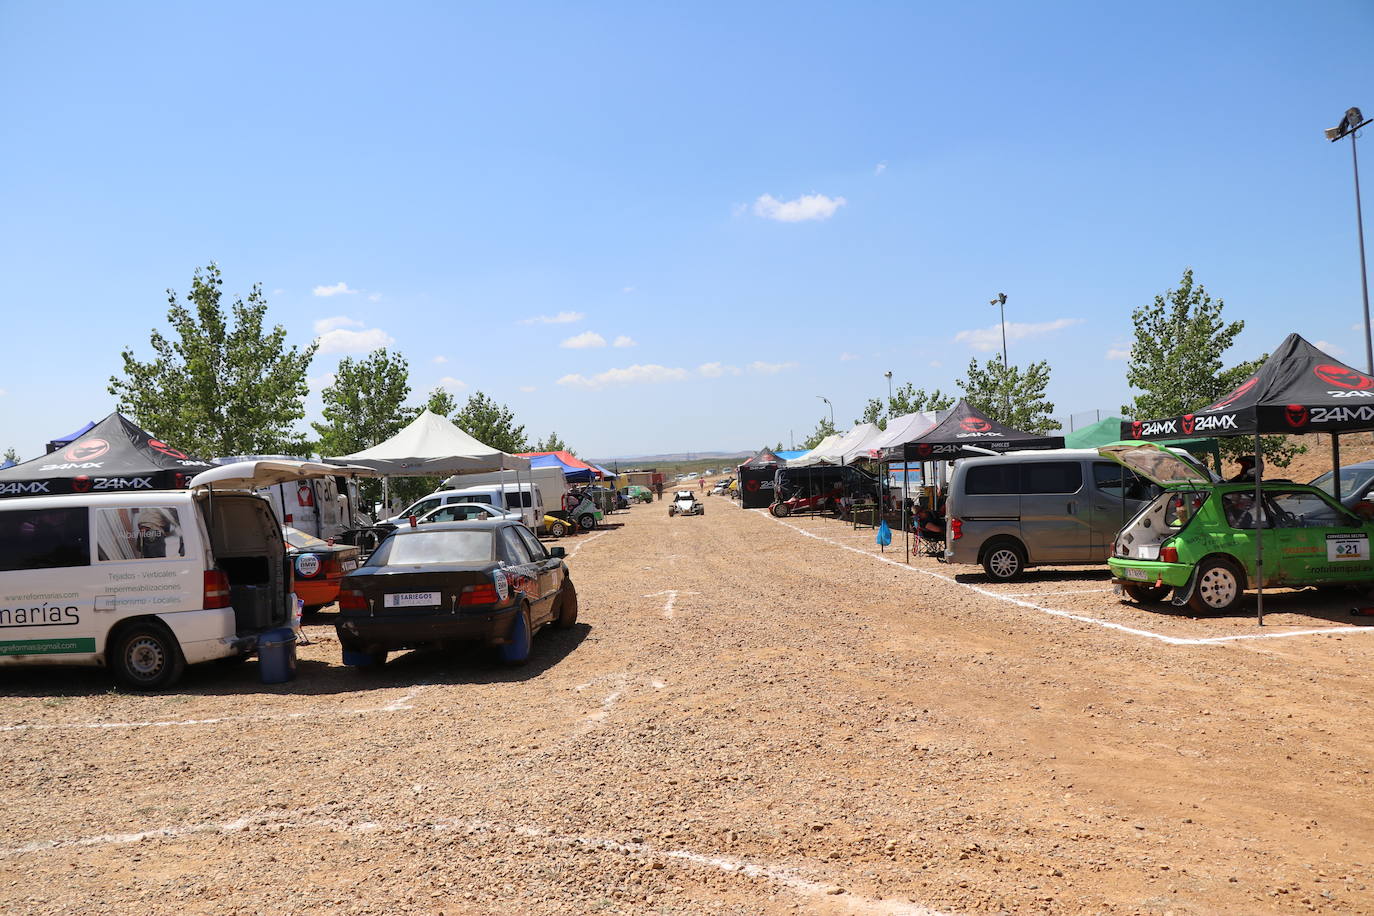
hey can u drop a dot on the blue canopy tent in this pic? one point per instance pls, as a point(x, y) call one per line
point(574, 475)
point(64, 441)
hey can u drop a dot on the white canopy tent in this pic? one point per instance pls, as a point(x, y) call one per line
point(901, 430)
point(432, 446)
point(840, 448)
point(814, 456)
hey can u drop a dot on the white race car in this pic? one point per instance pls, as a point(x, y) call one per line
point(685, 502)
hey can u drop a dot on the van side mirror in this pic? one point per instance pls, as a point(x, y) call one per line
point(557, 553)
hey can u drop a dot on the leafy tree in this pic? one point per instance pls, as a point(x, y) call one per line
point(363, 406)
point(1176, 363)
point(779, 447)
point(1010, 395)
point(223, 385)
point(551, 444)
point(823, 429)
point(906, 399)
point(491, 423)
point(10, 455)
point(441, 402)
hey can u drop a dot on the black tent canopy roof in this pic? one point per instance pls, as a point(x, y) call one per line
point(114, 454)
point(966, 426)
point(765, 458)
point(1298, 389)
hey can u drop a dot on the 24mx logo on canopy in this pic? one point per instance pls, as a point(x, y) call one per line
point(1343, 377)
point(975, 425)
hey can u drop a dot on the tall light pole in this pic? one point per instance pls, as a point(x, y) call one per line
point(1352, 122)
point(888, 375)
point(832, 409)
point(1001, 303)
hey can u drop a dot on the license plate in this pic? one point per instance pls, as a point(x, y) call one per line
point(411, 599)
point(1140, 575)
point(348, 565)
point(1347, 547)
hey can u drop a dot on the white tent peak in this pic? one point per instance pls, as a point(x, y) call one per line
point(433, 445)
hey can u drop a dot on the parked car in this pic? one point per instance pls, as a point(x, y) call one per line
point(1198, 537)
point(1357, 484)
point(1033, 508)
point(685, 502)
point(446, 584)
point(319, 567)
point(580, 507)
point(525, 498)
point(466, 512)
point(722, 486)
point(639, 494)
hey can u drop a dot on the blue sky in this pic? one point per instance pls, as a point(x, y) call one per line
point(761, 203)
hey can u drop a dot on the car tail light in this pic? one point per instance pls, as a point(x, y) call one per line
point(216, 592)
point(332, 566)
point(350, 599)
point(478, 594)
point(956, 529)
point(1168, 554)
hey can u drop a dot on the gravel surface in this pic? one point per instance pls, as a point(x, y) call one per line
point(753, 717)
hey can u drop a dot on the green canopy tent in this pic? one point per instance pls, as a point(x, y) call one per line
point(1108, 430)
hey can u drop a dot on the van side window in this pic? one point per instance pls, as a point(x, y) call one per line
point(44, 538)
point(992, 479)
point(1115, 480)
point(1051, 477)
point(516, 498)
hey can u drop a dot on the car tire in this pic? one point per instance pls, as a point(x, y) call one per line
point(1146, 594)
point(357, 658)
point(779, 510)
point(586, 521)
point(557, 529)
point(517, 650)
point(1218, 587)
point(146, 656)
point(567, 606)
point(672, 510)
point(1004, 561)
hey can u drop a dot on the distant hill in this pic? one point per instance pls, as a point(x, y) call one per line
point(671, 459)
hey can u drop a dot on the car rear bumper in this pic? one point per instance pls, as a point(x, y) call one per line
point(317, 591)
point(1126, 571)
point(416, 631)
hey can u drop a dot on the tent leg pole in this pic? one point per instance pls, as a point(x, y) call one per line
point(1262, 517)
point(906, 489)
point(1336, 465)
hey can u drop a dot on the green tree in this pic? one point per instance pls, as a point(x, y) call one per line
point(364, 406)
point(1177, 365)
point(1010, 395)
point(491, 423)
point(551, 444)
point(222, 385)
point(11, 455)
point(441, 402)
point(906, 399)
point(823, 429)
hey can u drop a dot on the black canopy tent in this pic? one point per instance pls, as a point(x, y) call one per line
point(756, 479)
point(1298, 389)
point(114, 454)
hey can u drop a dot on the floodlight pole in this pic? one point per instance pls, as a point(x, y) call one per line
point(1349, 126)
point(832, 409)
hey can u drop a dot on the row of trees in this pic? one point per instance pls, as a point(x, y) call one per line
point(1176, 364)
point(226, 384)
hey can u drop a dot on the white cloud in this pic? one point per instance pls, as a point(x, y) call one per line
point(449, 383)
point(623, 341)
point(1118, 353)
point(759, 367)
point(935, 364)
point(318, 383)
point(560, 318)
point(342, 341)
point(338, 288)
point(808, 206)
point(635, 374)
point(990, 338)
point(584, 341)
point(880, 167)
point(323, 325)
point(441, 359)
point(846, 357)
point(528, 388)
point(716, 370)
point(1327, 346)
point(278, 292)
point(375, 297)
point(3, 392)
point(627, 289)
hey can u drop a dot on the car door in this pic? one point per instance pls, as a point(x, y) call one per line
point(1317, 542)
point(522, 572)
point(1055, 513)
point(550, 568)
point(1116, 496)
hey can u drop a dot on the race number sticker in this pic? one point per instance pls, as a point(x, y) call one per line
point(1347, 547)
point(502, 584)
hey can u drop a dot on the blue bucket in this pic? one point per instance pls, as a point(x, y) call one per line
point(277, 656)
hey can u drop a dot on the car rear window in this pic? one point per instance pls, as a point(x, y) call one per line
point(433, 547)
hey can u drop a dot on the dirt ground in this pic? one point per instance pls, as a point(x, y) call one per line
point(754, 716)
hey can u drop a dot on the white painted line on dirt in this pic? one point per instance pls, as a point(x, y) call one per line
point(402, 704)
point(287, 823)
point(1081, 618)
point(1075, 591)
point(672, 599)
point(583, 542)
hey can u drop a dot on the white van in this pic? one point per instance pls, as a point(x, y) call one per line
point(524, 498)
point(323, 507)
point(145, 582)
point(552, 482)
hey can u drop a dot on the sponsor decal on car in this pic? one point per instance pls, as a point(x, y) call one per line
point(307, 564)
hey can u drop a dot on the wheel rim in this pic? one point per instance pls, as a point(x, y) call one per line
point(1218, 587)
point(1004, 562)
point(145, 658)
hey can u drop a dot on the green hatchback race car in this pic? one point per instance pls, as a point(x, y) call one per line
point(1198, 538)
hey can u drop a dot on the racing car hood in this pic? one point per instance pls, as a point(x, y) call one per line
point(1156, 464)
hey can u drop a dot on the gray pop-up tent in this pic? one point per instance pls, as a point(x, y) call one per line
point(966, 426)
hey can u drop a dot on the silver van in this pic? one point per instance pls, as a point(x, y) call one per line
point(1053, 507)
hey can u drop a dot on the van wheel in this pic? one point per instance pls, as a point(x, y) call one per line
point(517, 651)
point(1146, 594)
point(146, 656)
point(567, 607)
point(1218, 588)
point(1004, 561)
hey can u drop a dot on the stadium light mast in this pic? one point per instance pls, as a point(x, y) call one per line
point(1351, 123)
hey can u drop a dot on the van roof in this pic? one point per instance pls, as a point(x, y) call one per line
point(1038, 454)
point(488, 487)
